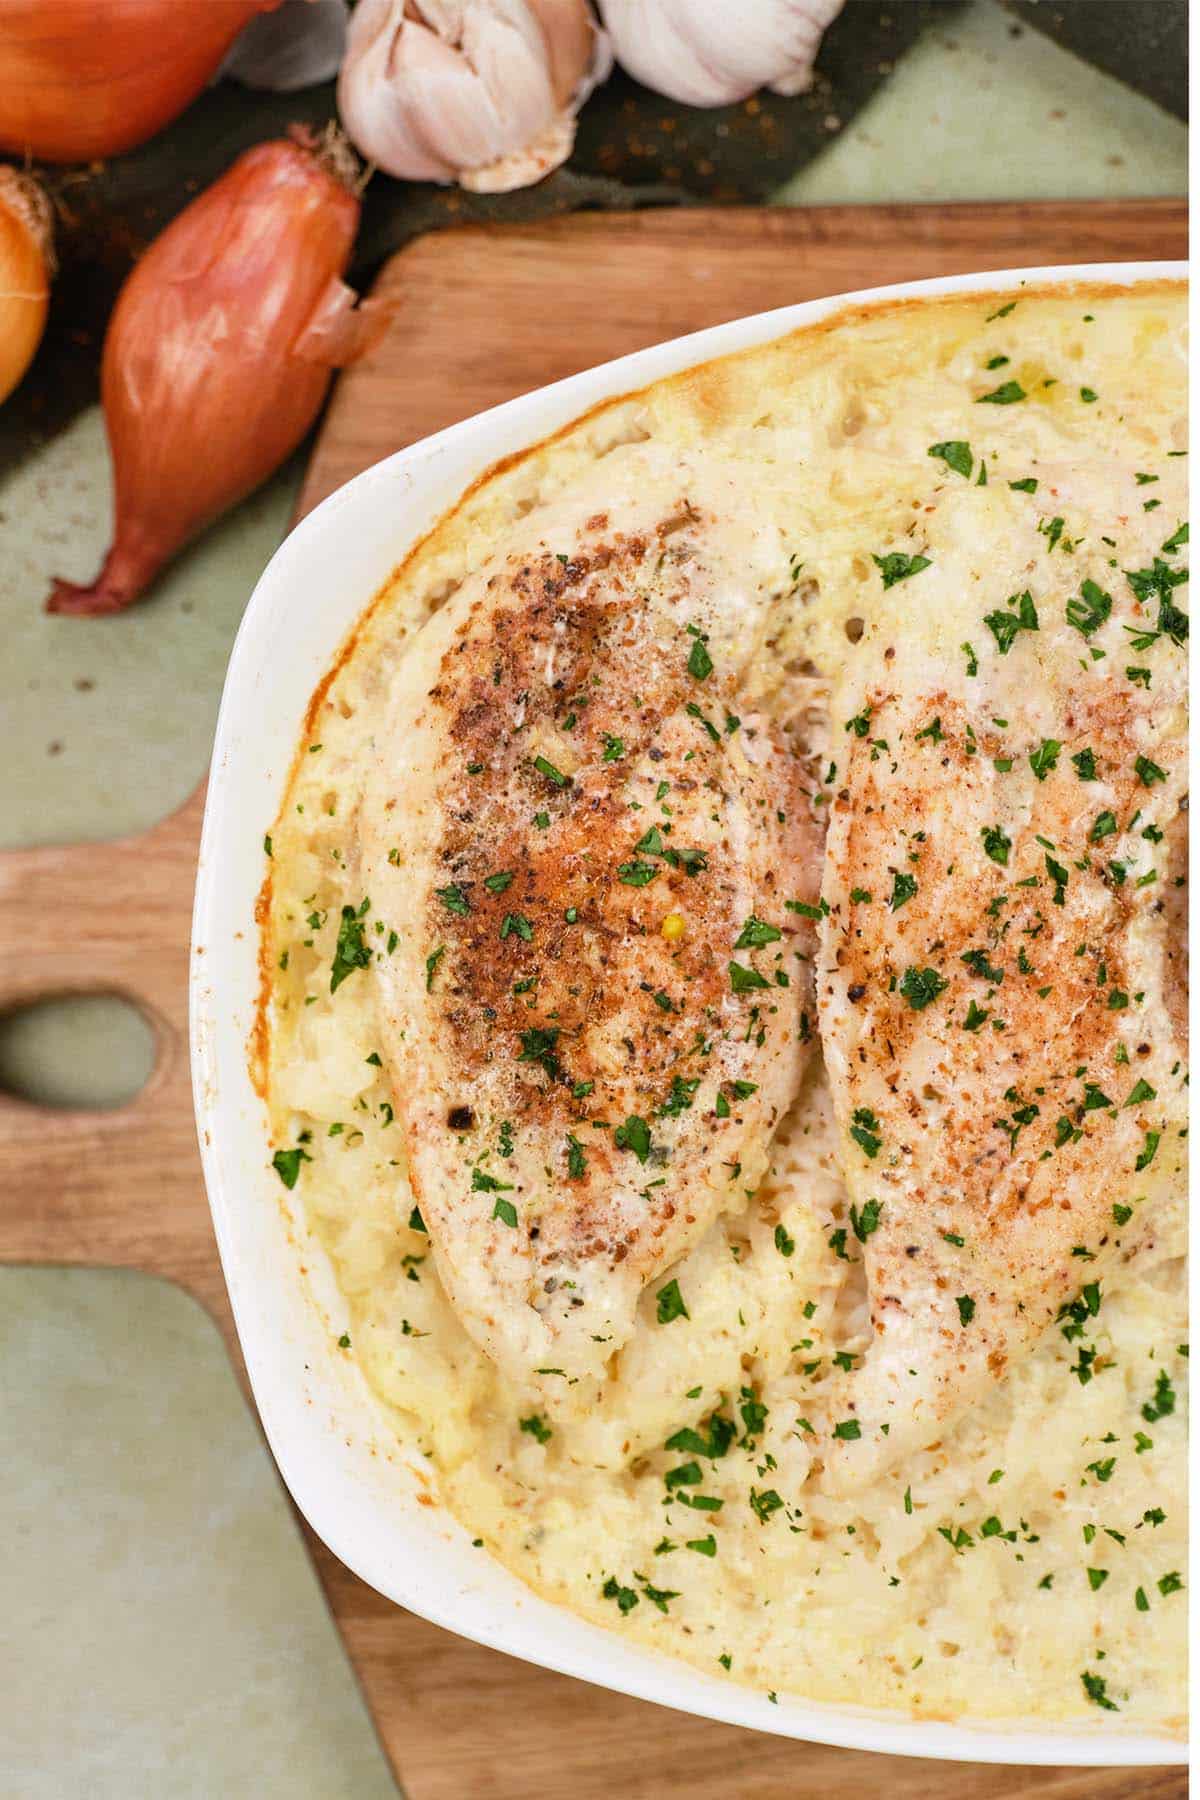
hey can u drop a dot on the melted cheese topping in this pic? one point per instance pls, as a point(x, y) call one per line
point(1028, 1563)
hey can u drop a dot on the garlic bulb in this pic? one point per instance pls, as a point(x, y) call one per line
point(482, 92)
point(711, 52)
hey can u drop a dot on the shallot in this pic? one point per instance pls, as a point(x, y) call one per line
point(220, 352)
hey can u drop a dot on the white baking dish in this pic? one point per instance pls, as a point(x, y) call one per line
point(357, 1488)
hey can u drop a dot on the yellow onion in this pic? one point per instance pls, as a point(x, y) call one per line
point(81, 79)
point(220, 352)
point(26, 263)
point(482, 92)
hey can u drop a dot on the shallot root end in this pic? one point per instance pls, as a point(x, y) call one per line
point(111, 592)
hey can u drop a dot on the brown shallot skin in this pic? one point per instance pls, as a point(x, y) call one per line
point(219, 354)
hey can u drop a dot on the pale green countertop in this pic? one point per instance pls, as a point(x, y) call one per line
point(178, 1665)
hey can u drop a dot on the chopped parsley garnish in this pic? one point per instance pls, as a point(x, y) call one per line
point(1095, 1687)
point(483, 1183)
point(1163, 1403)
point(721, 1433)
point(351, 952)
point(431, 965)
point(1085, 764)
point(966, 1309)
point(576, 1158)
point(537, 1428)
point(286, 1164)
point(849, 1430)
point(1146, 1155)
point(680, 1098)
point(538, 1046)
point(625, 1597)
point(921, 987)
point(1045, 757)
point(633, 1135)
point(516, 925)
point(693, 712)
point(1148, 772)
point(755, 933)
point(1005, 395)
point(614, 747)
point(996, 844)
point(865, 1223)
point(1158, 583)
point(1004, 626)
point(506, 1212)
point(699, 664)
point(903, 888)
point(454, 900)
point(637, 874)
point(548, 769)
point(955, 454)
point(671, 1303)
point(865, 1131)
point(1060, 877)
point(497, 883)
point(784, 1242)
point(1088, 611)
point(897, 566)
point(744, 981)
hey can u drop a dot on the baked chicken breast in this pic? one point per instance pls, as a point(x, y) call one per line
point(1001, 969)
point(603, 880)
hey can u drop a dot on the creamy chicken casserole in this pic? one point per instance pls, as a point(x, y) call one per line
point(724, 1008)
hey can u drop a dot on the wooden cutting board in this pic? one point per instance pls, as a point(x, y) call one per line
point(484, 314)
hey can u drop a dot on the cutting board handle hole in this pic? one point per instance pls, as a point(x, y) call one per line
point(95, 1051)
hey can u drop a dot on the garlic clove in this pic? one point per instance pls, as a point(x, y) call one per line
point(371, 102)
point(487, 98)
point(469, 90)
point(568, 33)
point(704, 53)
point(547, 152)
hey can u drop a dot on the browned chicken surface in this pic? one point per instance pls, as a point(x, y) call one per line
point(1001, 979)
point(602, 877)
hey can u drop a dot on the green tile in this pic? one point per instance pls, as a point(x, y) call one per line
point(162, 1633)
point(985, 109)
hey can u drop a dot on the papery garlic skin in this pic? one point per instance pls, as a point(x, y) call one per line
point(283, 52)
point(713, 52)
point(483, 92)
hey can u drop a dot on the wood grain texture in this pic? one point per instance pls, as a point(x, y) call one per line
point(485, 314)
